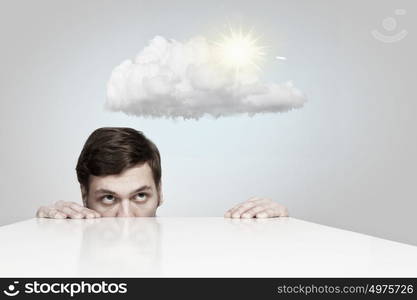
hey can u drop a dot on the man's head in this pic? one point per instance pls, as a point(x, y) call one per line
point(119, 171)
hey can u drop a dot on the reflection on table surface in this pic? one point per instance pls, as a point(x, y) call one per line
point(202, 247)
point(122, 245)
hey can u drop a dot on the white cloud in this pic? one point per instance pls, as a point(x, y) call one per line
point(173, 79)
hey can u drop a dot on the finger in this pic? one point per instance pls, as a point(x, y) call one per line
point(249, 200)
point(89, 213)
point(237, 213)
point(237, 206)
point(257, 206)
point(283, 211)
point(250, 213)
point(41, 212)
point(76, 206)
point(229, 211)
point(233, 211)
point(73, 214)
point(60, 204)
point(267, 213)
point(54, 213)
point(256, 200)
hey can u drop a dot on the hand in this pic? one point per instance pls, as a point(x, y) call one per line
point(257, 207)
point(63, 210)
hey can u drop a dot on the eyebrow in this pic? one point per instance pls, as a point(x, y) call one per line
point(105, 191)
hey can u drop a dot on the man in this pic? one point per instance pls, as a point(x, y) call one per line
point(119, 171)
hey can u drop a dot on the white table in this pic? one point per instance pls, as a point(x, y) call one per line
point(196, 247)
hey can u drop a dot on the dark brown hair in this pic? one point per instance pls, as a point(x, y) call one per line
point(111, 150)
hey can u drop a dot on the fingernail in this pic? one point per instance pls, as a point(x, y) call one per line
point(235, 216)
point(246, 215)
point(261, 215)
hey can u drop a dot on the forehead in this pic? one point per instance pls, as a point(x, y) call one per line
point(130, 178)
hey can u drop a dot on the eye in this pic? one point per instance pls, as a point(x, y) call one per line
point(108, 199)
point(141, 196)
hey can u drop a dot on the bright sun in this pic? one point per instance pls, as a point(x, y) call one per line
point(239, 50)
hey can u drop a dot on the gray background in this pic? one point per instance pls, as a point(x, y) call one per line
point(347, 159)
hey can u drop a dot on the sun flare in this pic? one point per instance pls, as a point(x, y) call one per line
point(239, 50)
